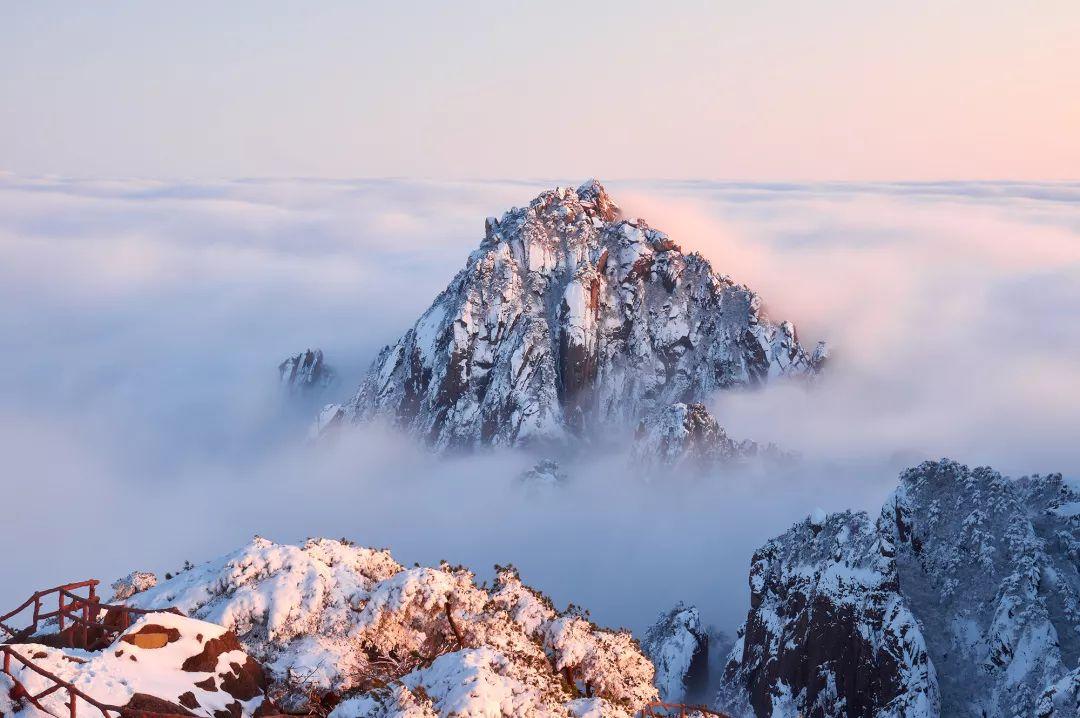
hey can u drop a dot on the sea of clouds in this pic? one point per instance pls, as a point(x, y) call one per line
point(141, 423)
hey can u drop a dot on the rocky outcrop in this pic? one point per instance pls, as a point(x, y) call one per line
point(131, 584)
point(679, 648)
point(828, 633)
point(545, 476)
point(687, 436)
point(989, 565)
point(306, 372)
point(163, 663)
point(961, 599)
point(335, 622)
point(570, 320)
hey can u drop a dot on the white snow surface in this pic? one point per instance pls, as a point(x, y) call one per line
point(352, 621)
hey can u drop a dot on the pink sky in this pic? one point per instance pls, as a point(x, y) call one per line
point(838, 89)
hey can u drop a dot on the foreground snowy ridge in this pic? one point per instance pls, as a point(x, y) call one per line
point(961, 599)
point(338, 621)
point(569, 320)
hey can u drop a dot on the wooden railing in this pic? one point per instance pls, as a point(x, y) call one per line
point(659, 709)
point(21, 693)
point(82, 621)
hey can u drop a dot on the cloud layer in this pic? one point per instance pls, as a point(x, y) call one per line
point(140, 425)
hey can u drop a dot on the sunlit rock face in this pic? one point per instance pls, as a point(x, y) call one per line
point(961, 599)
point(568, 320)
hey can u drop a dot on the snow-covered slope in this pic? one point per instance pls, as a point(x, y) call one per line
point(335, 619)
point(964, 592)
point(679, 649)
point(163, 663)
point(568, 320)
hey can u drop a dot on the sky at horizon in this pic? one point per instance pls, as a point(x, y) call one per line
point(837, 90)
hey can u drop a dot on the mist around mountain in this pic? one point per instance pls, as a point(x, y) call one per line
point(947, 337)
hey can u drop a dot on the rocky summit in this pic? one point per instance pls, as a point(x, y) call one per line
point(568, 321)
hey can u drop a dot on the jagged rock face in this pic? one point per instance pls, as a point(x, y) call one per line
point(828, 633)
point(569, 319)
point(679, 649)
point(989, 565)
point(162, 663)
point(305, 372)
point(350, 622)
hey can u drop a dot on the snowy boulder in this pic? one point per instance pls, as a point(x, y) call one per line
point(134, 582)
point(679, 649)
point(334, 621)
point(162, 663)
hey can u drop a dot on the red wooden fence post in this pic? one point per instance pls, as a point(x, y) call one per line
point(60, 602)
point(71, 699)
point(7, 662)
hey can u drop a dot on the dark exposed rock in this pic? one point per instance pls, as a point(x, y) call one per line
point(153, 704)
point(206, 661)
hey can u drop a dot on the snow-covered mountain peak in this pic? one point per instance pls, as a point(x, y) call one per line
point(567, 322)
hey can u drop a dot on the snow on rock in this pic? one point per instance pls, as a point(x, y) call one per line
point(989, 567)
point(339, 620)
point(134, 582)
point(1062, 699)
point(162, 663)
point(545, 476)
point(686, 435)
point(964, 595)
point(828, 632)
point(679, 649)
point(305, 372)
point(566, 321)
